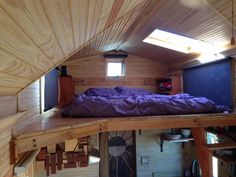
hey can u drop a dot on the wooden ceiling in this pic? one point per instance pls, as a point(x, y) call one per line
point(37, 35)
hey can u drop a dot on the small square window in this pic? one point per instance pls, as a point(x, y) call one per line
point(115, 69)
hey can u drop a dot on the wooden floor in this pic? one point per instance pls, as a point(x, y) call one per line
point(52, 128)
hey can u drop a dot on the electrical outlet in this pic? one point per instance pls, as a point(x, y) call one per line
point(144, 160)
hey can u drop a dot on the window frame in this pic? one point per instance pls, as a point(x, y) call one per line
point(116, 60)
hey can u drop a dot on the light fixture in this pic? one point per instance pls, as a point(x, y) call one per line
point(232, 41)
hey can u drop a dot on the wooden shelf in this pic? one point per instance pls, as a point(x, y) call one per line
point(220, 146)
point(180, 140)
point(225, 158)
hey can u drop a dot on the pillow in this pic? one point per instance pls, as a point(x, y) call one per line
point(105, 92)
point(126, 91)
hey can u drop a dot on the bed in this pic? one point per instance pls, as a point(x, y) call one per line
point(124, 102)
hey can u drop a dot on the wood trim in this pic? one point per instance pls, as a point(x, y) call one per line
point(34, 140)
point(25, 162)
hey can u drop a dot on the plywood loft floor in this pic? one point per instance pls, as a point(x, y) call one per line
point(53, 129)
point(53, 121)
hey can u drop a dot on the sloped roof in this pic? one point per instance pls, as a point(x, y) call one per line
point(37, 35)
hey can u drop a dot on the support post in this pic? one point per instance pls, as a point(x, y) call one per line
point(104, 155)
point(204, 155)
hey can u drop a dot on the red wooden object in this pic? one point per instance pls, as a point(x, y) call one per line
point(12, 152)
point(42, 154)
point(66, 91)
point(47, 166)
point(83, 161)
point(59, 160)
point(53, 163)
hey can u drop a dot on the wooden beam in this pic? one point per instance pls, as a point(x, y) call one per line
point(42, 138)
point(104, 155)
point(49, 138)
point(217, 121)
point(218, 146)
point(203, 154)
point(24, 164)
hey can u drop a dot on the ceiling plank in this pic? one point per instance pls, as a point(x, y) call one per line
point(12, 65)
point(114, 12)
point(30, 16)
point(16, 42)
point(8, 80)
point(58, 14)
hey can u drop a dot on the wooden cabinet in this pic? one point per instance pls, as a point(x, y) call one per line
point(169, 85)
point(66, 91)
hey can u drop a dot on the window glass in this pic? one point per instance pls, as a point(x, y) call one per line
point(115, 69)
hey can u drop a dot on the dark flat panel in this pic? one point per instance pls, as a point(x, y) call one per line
point(212, 81)
point(51, 89)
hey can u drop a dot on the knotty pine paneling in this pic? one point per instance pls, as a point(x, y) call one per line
point(5, 138)
point(140, 72)
point(29, 99)
point(35, 36)
point(171, 162)
point(8, 106)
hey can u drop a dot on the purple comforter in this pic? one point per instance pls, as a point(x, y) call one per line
point(145, 105)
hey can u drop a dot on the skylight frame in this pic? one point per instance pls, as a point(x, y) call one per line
point(185, 45)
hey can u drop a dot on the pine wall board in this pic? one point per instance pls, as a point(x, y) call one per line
point(91, 72)
point(29, 99)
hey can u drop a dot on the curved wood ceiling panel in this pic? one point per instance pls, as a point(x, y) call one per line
point(115, 34)
point(59, 16)
point(12, 65)
point(37, 35)
point(30, 16)
point(14, 40)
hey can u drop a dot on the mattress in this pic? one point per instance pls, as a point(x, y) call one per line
point(122, 105)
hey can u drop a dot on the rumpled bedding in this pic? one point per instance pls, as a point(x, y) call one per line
point(119, 105)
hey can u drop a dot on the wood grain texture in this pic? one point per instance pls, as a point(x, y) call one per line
point(30, 16)
point(58, 13)
point(16, 42)
point(29, 100)
point(38, 35)
point(91, 72)
point(56, 129)
point(6, 125)
point(8, 106)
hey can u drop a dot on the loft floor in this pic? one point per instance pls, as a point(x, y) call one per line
point(52, 128)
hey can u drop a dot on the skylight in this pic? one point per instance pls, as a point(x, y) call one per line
point(183, 44)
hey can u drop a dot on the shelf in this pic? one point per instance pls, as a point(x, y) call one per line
point(220, 146)
point(225, 158)
point(180, 140)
